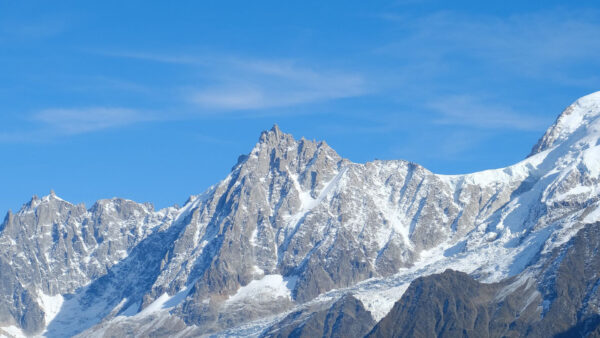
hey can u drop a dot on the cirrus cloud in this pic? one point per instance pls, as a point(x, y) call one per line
point(83, 120)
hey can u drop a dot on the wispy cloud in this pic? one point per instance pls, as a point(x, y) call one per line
point(261, 85)
point(462, 68)
point(32, 29)
point(181, 59)
point(20, 136)
point(229, 84)
point(471, 112)
point(544, 44)
point(50, 124)
point(234, 83)
point(83, 120)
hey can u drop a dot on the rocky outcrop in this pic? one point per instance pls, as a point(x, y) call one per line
point(344, 318)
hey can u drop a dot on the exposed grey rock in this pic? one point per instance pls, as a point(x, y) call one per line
point(54, 247)
point(345, 318)
point(17, 304)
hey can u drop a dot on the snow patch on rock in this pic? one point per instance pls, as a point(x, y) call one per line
point(267, 288)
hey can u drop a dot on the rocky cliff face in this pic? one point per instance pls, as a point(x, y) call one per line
point(294, 228)
point(52, 248)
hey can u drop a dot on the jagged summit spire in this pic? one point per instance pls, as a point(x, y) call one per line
point(275, 147)
point(35, 200)
point(275, 129)
point(274, 136)
point(581, 113)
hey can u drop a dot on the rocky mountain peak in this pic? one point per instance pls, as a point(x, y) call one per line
point(274, 136)
point(36, 201)
point(275, 129)
point(281, 151)
point(578, 115)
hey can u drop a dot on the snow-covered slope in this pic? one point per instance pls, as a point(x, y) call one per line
point(293, 227)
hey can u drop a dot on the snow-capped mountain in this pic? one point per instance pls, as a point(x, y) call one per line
point(294, 236)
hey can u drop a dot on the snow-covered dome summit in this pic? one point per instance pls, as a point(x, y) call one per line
point(578, 115)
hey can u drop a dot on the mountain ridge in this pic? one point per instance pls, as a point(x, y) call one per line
point(299, 221)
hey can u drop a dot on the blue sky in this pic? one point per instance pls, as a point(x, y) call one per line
point(155, 101)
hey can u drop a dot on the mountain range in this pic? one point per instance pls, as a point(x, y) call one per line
point(299, 241)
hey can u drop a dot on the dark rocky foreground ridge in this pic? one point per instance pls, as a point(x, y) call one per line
point(345, 318)
point(298, 241)
point(557, 298)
